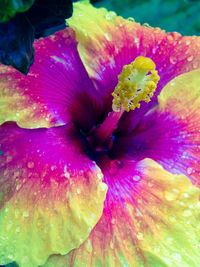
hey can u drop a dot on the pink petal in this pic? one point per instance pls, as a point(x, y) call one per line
point(170, 134)
point(56, 91)
point(143, 223)
point(113, 42)
point(51, 193)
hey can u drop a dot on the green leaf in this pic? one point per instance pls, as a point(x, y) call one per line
point(17, 35)
point(8, 8)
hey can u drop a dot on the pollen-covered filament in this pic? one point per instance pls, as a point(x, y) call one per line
point(137, 82)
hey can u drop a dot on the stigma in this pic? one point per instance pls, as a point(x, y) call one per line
point(137, 82)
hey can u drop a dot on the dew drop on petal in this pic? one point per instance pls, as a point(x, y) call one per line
point(17, 230)
point(110, 15)
point(140, 236)
point(103, 187)
point(187, 42)
point(9, 159)
point(186, 195)
point(53, 167)
point(190, 58)
point(173, 60)
point(99, 176)
point(88, 244)
point(187, 213)
point(154, 50)
point(170, 195)
point(189, 170)
point(170, 38)
point(177, 257)
point(10, 257)
point(136, 178)
point(113, 221)
point(111, 245)
point(78, 190)
point(66, 173)
point(108, 36)
point(195, 65)
point(30, 164)
point(18, 186)
point(25, 214)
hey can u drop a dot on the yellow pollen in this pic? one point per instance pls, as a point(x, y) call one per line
point(137, 82)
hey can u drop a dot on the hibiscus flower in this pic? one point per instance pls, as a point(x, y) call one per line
point(92, 174)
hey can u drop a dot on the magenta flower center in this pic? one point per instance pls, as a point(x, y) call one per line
point(137, 82)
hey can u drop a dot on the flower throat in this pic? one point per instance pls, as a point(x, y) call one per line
point(136, 83)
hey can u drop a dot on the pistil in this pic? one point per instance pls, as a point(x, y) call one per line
point(137, 82)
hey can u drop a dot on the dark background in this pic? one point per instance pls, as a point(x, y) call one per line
point(172, 15)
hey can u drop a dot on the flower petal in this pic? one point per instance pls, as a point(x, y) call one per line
point(150, 219)
point(56, 90)
point(170, 134)
point(51, 194)
point(113, 42)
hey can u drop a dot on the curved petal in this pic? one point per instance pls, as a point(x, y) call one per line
point(113, 42)
point(150, 219)
point(51, 194)
point(170, 134)
point(56, 90)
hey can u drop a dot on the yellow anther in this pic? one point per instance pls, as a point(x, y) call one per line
point(144, 63)
point(137, 82)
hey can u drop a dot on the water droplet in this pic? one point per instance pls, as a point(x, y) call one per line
point(170, 195)
point(177, 256)
point(170, 240)
point(66, 173)
point(187, 213)
point(173, 60)
point(108, 36)
point(25, 214)
point(132, 19)
point(78, 190)
point(9, 159)
point(103, 187)
point(113, 221)
point(53, 167)
point(99, 176)
point(190, 58)
point(89, 246)
point(140, 236)
point(150, 184)
point(136, 178)
point(187, 42)
point(30, 164)
point(18, 186)
point(110, 15)
point(17, 213)
point(17, 230)
point(170, 38)
point(111, 245)
point(184, 155)
point(186, 195)
point(136, 41)
point(195, 65)
point(189, 170)
point(138, 213)
point(81, 172)
point(154, 50)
